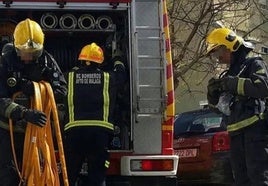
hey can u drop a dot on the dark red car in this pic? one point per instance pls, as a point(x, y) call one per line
point(202, 143)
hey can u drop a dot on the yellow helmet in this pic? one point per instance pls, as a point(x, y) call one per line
point(225, 37)
point(28, 37)
point(92, 53)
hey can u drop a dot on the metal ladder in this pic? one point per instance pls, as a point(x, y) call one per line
point(149, 59)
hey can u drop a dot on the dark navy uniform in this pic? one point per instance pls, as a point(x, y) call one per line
point(12, 73)
point(91, 102)
point(247, 81)
point(247, 124)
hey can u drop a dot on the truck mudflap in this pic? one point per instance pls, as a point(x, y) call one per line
point(159, 165)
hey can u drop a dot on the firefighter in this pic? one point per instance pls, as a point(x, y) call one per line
point(240, 94)
point(23, 62)
point(89, 126)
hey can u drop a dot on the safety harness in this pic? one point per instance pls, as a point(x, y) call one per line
point(39, 166)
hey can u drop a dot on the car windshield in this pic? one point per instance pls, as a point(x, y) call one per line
point(197, 122)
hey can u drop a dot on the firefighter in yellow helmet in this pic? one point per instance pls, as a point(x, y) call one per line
point(240, 94)
point(23, 62)
point(89, 124)
point(28, 40)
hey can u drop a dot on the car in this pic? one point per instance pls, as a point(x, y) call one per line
point(202, 144)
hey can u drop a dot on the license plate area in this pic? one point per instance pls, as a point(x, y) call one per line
point(186, 153)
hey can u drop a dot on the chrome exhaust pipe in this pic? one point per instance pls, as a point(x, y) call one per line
point(49, 20)
point(68, 21)
point(86, 21)
point(104, 22)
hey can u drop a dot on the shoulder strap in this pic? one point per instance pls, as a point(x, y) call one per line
point(247, 63)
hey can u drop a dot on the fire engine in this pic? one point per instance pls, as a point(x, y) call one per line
point(142, 146)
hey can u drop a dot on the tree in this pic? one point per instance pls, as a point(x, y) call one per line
point(190, 22)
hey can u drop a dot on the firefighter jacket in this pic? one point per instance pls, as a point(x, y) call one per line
point(92, 95)
point(12, 71)
point(249, 88)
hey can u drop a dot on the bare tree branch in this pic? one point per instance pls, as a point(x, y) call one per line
point(190, 22)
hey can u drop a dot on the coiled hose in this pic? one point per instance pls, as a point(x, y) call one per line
point(86, 21)
point(39, 166)
point(68, 21)
point(49, 20)
point(104, 22)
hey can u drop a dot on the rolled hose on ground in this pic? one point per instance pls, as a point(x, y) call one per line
point(68, 21)
point(104, 22)
point(86, 21)
point(49, 20)
point(39, 166)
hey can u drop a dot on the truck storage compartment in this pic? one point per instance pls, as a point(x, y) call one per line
point(66, 32)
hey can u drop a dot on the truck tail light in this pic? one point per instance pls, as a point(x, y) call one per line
point(221, 142)
point(152, 165)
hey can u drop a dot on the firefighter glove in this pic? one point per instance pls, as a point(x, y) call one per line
point(213, 91)
point(229, 83)
point(27, 87)
point(34, 116)
point(214, 85)
point(212, 99)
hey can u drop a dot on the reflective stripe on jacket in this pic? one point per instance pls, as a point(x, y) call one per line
point(244, 123)
point(91, 98)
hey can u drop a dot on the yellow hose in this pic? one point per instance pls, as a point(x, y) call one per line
point(39, 165)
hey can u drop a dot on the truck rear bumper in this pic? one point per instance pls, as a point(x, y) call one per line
point(158, 165)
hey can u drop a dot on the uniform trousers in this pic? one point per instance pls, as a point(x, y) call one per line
point(88, 144)
point(249, 155)
point(8, 173)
